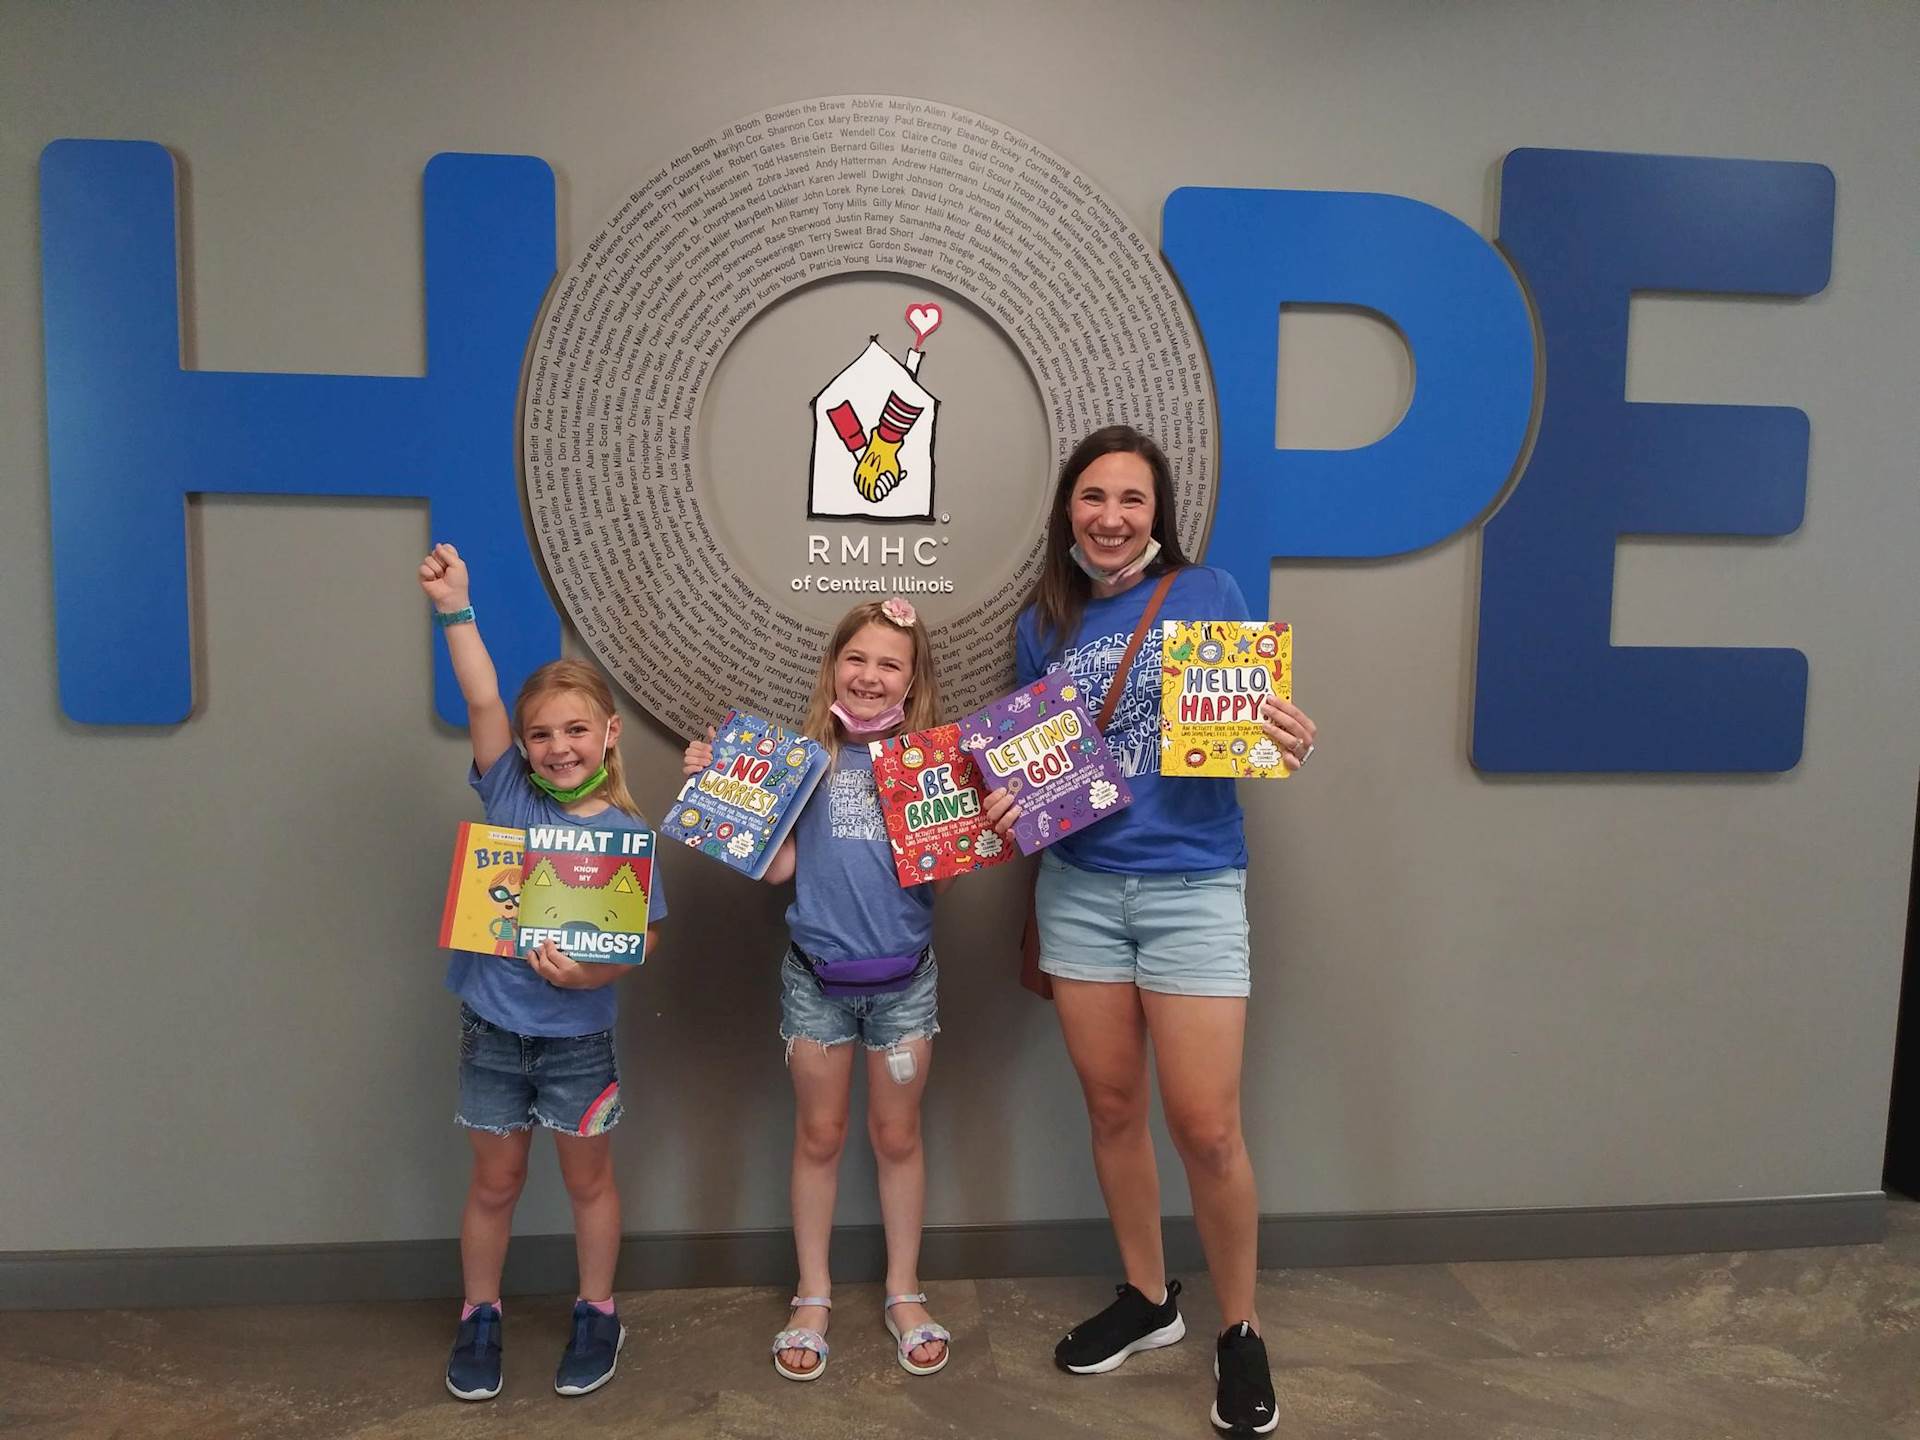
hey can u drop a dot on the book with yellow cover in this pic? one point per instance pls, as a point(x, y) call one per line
point(483, 892)
point(1214, 674)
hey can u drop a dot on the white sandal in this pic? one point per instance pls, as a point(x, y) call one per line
point(802, 1337)
point(925, 1334)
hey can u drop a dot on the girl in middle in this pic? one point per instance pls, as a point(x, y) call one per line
point(859, 966)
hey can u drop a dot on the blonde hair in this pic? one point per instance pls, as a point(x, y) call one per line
point(922, 704)
point(576, 677)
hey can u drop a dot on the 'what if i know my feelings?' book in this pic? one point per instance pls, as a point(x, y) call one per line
point(587, 890)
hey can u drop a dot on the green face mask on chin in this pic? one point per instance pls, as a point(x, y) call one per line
point(566, 797)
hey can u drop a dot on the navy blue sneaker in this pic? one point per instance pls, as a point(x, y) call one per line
point(473, 1369)
point(591, 1354)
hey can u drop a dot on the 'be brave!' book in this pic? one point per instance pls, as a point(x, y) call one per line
point(587, 891)
point(1214, 674)
point(930, 796)
point(483, 892)
point(1040, 746)
point(741, 807)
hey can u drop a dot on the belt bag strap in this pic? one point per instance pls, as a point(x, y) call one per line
point(865, 975)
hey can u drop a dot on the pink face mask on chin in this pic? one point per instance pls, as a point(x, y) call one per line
point(887, 720)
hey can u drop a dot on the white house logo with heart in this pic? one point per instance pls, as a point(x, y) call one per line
point(873, 431)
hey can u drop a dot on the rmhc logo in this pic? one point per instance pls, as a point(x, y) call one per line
point(131, 434)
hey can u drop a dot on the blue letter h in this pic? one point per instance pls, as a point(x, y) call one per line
point(130, 434)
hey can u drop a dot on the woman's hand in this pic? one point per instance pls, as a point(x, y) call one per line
point(699, 754)
point(999, 812)
point(443, 575)
point(1288, 727)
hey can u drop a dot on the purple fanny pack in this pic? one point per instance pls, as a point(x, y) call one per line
point(875, 975)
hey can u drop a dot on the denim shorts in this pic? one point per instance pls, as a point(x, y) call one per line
point(1173, 934)
point(569, 1083)
point(880, 1022)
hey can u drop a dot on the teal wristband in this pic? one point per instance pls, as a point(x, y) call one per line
point(462, 616)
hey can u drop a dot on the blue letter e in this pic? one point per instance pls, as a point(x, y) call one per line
point(1586, 230)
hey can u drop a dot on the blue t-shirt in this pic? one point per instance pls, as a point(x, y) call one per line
point(503, 989)
point(1175, 825)
point(848, 902)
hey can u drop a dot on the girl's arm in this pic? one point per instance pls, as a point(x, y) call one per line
point(443, 575)
point(780, 868)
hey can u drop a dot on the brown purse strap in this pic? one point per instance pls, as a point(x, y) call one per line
point(1119, 681)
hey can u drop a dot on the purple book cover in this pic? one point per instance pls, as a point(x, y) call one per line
point(1040, 746)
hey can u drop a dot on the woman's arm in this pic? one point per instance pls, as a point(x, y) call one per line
point(443, 576)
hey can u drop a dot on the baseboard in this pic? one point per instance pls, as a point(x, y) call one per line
point(544, 1264)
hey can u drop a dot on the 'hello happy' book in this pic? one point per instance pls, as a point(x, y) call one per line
point(1040, 746)
point(930, 796)
point(1214, 674)
point(741, 807)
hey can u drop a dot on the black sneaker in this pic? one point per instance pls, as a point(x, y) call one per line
point(1130, 1324)
point(592, 1352)
point(473, 1369)
point(1243, 1396)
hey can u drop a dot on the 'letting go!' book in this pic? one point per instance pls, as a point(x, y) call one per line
point(1039, 745)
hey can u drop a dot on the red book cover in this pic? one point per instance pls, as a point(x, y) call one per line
point(930, 795)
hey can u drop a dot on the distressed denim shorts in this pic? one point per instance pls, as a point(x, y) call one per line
point(880, 1022)
point(1174, 934)
point(569, 1083)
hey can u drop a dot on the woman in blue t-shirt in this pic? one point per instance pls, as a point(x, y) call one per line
point(1142, 918)
point(860, 967)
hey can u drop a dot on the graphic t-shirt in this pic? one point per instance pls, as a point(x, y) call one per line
point(848, 903)
point(504, 989)
point(1176, 825)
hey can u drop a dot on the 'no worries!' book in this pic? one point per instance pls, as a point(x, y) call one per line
point(1039, 745)
point(1214, 674)
point(930, 796)
point(741, 807)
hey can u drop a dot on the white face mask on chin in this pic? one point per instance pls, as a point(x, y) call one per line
point(1113, 577)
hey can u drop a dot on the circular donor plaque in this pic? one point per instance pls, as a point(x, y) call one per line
point(701, 590)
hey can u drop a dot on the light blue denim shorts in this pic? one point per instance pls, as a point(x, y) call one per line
point(1173, 934)
point(880, 1022)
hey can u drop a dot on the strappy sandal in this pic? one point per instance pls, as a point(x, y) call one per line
point(925, 1334)
point(802, 1338)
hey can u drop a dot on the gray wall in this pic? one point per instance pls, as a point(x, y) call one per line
point(221, 1020)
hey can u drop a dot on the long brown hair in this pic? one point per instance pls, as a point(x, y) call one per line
point(922, 705)
point(1059, 597)
point(576, 677)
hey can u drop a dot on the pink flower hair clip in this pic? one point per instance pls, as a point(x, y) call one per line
point(899, 610)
